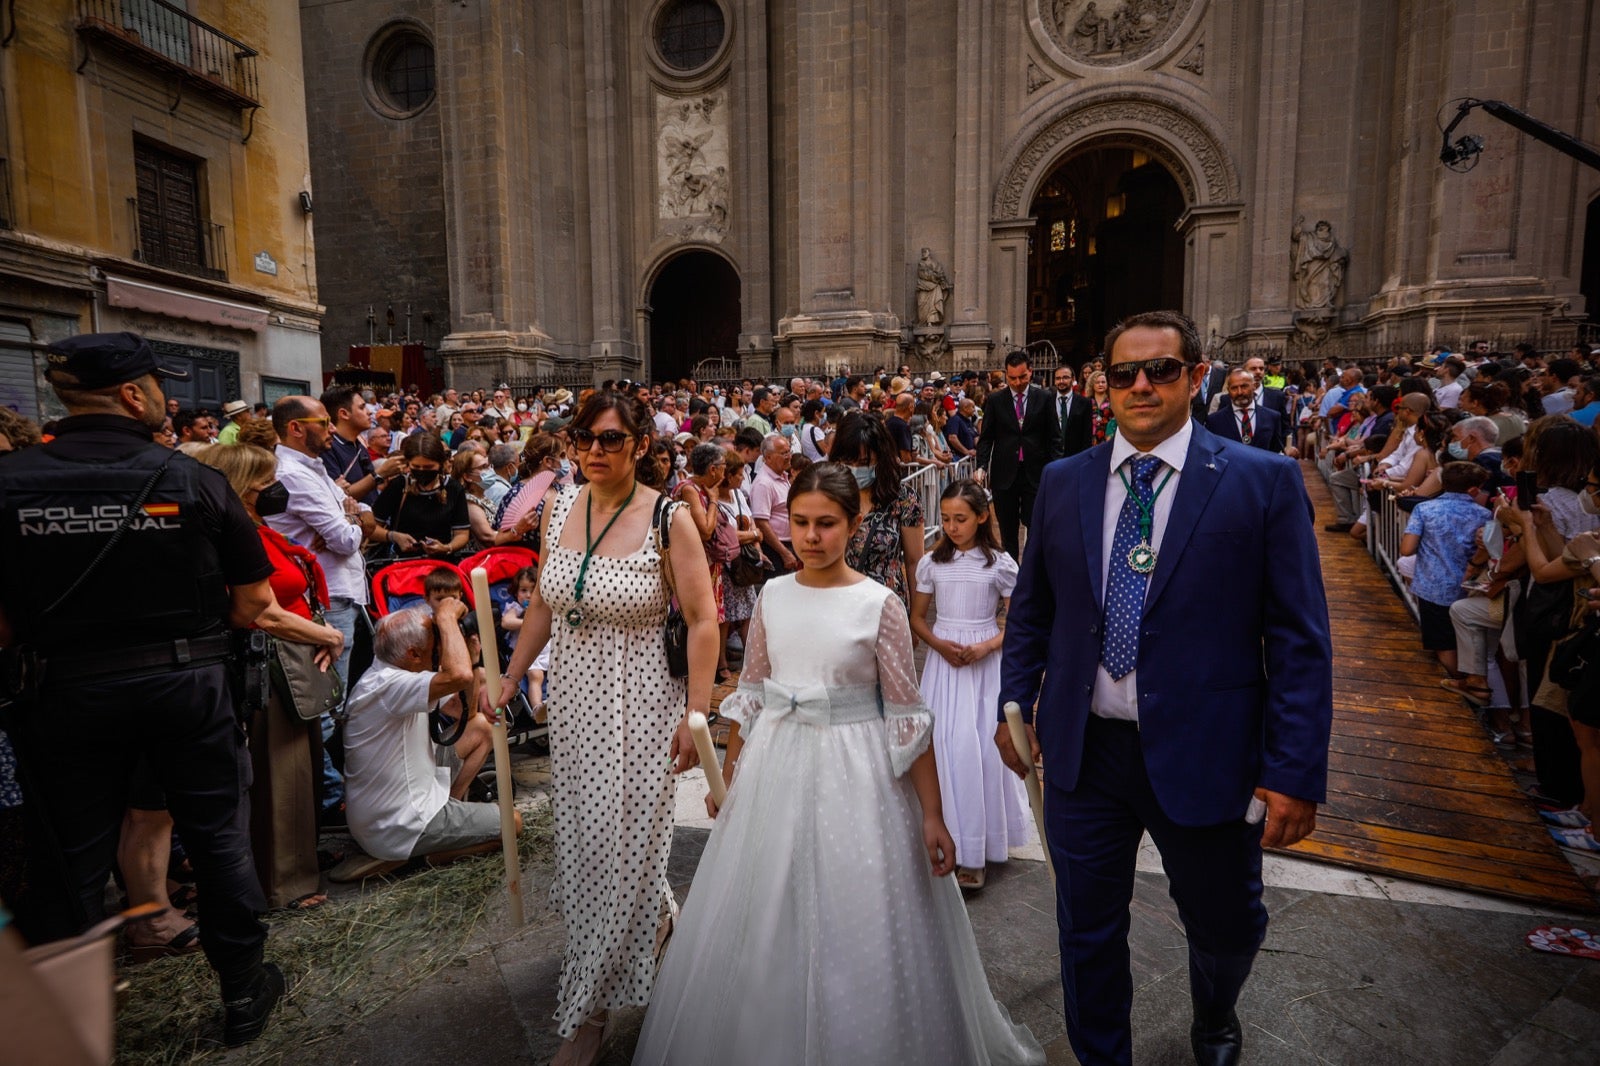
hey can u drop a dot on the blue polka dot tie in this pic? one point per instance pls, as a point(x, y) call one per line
point(1125, 586)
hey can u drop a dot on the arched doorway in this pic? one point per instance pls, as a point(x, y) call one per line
point(694, 314)
point(1104, 245)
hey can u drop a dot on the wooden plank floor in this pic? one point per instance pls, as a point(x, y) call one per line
point(1415, 787)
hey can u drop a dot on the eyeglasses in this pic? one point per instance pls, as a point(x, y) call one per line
point(1162, 370)
point(323, 420)
point(612, 440)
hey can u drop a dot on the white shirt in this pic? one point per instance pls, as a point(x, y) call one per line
point(1448, 396)
point(666, 424)
point(1238, 418)
point(1558, 402)
point(1398, 464)
point(392, 785)
point(1120, 699)
point(316, 509)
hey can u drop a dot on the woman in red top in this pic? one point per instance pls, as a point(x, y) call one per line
point(283, 800)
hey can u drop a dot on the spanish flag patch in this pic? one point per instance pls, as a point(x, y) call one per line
point(161, 510)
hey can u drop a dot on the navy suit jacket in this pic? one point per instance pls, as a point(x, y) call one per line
point(1235, 679)
point(1265, 432)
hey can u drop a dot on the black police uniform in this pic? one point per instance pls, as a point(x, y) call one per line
point(133, 665)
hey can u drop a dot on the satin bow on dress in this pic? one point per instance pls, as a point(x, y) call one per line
point(808, 703)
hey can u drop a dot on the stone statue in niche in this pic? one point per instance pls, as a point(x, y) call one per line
point(1319, 262)
point(692, 162)
point(933, 289)
point(1111, 32)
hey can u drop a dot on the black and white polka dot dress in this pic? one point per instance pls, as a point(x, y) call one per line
point(613, 710)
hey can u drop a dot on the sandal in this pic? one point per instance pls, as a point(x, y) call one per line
point(972, 878)
point(183, 897)
point(576, 1050)
point(184, 942)
point(1477, 695)
point(308, 902)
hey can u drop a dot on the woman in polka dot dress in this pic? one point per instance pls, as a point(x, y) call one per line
point(617, 731)
point(815, 931)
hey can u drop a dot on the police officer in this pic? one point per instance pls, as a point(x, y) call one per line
point(122, 566)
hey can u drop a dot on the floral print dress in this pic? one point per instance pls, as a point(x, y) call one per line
point(877, 549)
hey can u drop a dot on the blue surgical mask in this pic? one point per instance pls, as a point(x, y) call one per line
point(865, 476)
point(1457, 450)
point(566, 467)
point(788, 429)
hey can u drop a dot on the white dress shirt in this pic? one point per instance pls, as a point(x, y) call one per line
point(1120, 699)
point(316, 509)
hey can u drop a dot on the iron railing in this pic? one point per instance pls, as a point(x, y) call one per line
point(198, 250)
point(161, 35)
point(928, 482)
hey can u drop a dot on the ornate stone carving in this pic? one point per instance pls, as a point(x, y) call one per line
point(1109, 33)
point(933, 289)
point(1318, 264)
point(1194, 60)
point(1037, 79)
point(692, 162)
point(1114, 115)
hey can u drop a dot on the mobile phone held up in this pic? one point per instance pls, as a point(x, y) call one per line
point(1527, 490)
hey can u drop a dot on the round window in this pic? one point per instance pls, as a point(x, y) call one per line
point(402, 72)
point(689, 32)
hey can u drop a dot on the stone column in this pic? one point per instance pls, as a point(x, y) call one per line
point(968, 333)
point(751, 213)
point(1210, 273)
point(1008, 280)
point(613, 349)
point(490, 209)
point(1272, 187)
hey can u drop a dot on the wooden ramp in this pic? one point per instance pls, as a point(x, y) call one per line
point(1415, 787)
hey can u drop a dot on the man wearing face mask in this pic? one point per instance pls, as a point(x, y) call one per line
point(319, 515)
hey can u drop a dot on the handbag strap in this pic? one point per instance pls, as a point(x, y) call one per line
point(662, 520)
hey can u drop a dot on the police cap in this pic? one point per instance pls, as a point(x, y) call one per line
point(99, 360)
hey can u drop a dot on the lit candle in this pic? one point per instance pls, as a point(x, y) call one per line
point(502, 749)
point(1019, 741)
point(701, 731)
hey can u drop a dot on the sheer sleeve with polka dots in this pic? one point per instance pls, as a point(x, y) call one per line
point(907, 723)
point(744, 704)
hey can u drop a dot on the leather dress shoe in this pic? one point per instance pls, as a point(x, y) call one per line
point(245, 1017)
point(1217, 1043)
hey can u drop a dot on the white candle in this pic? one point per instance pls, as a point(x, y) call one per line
point(701, 731)
point(1019, 741)
point(502, 747)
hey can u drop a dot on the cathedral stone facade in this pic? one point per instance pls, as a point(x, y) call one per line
point(570, 190)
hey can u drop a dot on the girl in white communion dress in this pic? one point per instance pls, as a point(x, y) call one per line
point(815, 932)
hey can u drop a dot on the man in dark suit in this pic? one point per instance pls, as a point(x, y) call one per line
point(1072, 414)
point(1244, 420)
point(1274, 400)
point(1213, 383)
point(1163, 705)
point(1018, 436)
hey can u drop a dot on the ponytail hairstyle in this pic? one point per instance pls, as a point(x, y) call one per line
point(833, 480)
point(971, 493)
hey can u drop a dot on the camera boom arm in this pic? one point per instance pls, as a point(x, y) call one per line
point(1467, 147)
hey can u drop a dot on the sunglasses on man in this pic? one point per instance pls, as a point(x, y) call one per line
point(1163, 370)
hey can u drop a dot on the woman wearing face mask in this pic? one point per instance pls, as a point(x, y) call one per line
point(889, 541)
point(814, 440)
point(283, 799)
point(425, 512)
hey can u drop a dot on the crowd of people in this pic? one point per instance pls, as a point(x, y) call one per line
point(1490, 463)
point(684, 535)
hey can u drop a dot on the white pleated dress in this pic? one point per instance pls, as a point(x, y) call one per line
point(984, 806)
point(814, 932)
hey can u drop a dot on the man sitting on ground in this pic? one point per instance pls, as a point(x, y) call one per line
point(399, 801)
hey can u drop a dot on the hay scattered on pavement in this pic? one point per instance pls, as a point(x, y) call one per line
point(345, 960)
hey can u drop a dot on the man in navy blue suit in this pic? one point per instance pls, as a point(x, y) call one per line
point(1244, 420)
point(1167, 705)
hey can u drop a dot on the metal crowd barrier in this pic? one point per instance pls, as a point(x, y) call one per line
point(929, 482)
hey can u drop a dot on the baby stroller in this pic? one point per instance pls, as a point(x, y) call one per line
point(503, 564)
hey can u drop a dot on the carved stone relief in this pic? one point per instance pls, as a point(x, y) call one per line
point(692, 163)
point(1219, 182)
point(1109, 33)
point(1037, 79)
point(1194, 61)
point(1318, 263)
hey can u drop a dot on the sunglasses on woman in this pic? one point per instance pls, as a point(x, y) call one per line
point(612, 440)
point(1163, 370)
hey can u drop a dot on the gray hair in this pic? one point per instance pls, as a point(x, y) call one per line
point(770, 442)
point(503, 455)
point(400, 632)
point(1482, 428)
point(704, 457)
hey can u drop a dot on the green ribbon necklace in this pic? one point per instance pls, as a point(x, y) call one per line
point(574, 616)
point(1142, 556)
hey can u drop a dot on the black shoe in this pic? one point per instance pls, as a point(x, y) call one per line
point(1340, 527)
point(1217, 1044)
point(243, 1019)
point(333, 818)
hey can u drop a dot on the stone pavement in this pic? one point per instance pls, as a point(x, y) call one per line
point(1355, 970)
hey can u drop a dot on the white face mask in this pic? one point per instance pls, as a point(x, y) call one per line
point(522, 407)
point(1587, 501)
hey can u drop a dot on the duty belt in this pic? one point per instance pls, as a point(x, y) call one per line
point(184, 653)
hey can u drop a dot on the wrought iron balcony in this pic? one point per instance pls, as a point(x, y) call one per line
point(185, 246)
point(168, 38)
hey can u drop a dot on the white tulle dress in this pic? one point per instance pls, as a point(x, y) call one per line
point(814, 932)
